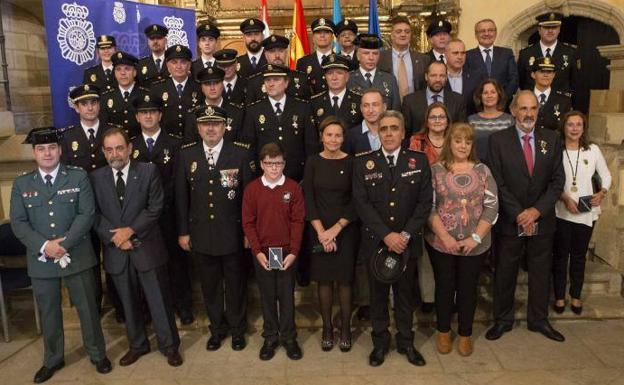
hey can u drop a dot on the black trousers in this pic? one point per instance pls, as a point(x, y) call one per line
point(571, 243)
point(510, 251)
point(456, 280)
point(404, 305)
point(277, 294)
point(226, 306)
point(155, 284)
point(178, 265)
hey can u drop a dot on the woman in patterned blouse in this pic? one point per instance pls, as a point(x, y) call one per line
point(464, 210)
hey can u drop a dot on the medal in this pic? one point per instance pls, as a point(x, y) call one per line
point(166, 158)
point(294, 123)
point(165, 96)
point(93, 78)
point(144, 70)
point(573, 169)
point(573, 188)
point(370, 164)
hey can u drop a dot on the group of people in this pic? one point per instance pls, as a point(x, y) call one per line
point(366, 170)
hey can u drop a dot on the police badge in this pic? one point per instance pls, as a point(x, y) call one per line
point(93, 78)
point(110, 103)
point(229, 178)
point(531, 60)
point(309, 69)
point(193, 167)
point(319, 112)
point(370, 164)
point(135, 154)
point(74, 145)
point(261, 119)
point(165, 96)
point(144, 70)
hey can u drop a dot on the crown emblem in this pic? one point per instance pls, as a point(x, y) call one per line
point(273, 39)
point(154, 27)
point(207, 27)
point(178, 49)
point(104, 38)
point(547, 61)
point(210, 70)
point(146, 98)
point(322, 22)
point(551, 17)
point(346, 22)
point(209, 111)
point(119, 55)
point(270, 67)
point(440, 23)
point(332, 59)
point(86, 87)
point(251, 22)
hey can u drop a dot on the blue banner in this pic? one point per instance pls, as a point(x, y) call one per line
point(336, 19)
point(373, 18)
point(73, 26)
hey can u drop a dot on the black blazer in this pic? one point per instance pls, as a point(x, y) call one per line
point(245, 69)
point(310, 66)
point(356, 141)
point(415, 106)
point(504, 68)
point(143, 203)
point(517, 190)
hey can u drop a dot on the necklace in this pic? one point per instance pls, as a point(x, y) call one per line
point(431, 141)
point(574, 169)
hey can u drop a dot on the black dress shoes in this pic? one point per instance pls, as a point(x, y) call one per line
point(46, 373)
point(186, 317)
point(377, 357)
point(293, 351)
point(363, 313)
point(214, 342)
point(547, 331)
point(413, 356)
point(132, 356)
point(238, 342)
point(173, 357)
point(576, 309)
point(268, 350)
point(497, 331)
point(427, 307)
point(103, 366)
point(558, 309)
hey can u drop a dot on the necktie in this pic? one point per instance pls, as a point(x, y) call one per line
point(228, 92)
point(253, 62)
point(48, 179)
point(390, 160)
point(488, 61)
point(120, 186)
point(278, 110)
point(335, 105)
point(150, 144)
point(348, 56)
point(402, 78)
point(208, 64)
point(158, 61)
point(548, 52)
point(126, 94)
point(542, 98)
point(210, 158)
point(436, 98)
point(368, 79)
point(441, 58)
point(179, 88)
point(91, 137)
point(107, 72)
point(528, 153)
point(323, 57)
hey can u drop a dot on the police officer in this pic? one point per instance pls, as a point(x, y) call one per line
point(180, 93)
point(346, 33)
point(211, 176)
point(553, 104)
point(117, 108)
point(439, 34)
point(101, 74)
point(282, 119)
point(562, 55)
point(323, 38)
point(154, 145)
point(152, 67)
point(253, 60)
point(211, 80)
point(207, 40)
point(52, 210)
point(393, 196)
point(337, 100)
point(276, 52)
point(234, 86)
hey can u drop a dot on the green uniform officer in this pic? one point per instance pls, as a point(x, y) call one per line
point(52, 210)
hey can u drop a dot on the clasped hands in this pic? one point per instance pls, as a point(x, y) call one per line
point(396, 242)
point(121, 238)
point(327, 238)
point(527, 219)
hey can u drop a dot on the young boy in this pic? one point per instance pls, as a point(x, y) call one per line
point(273, 217)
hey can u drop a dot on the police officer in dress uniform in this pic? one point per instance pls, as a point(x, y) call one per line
point(152, 67)
point(117, 102)
point(276, 52)
point(253, 60)
point(439, 34)
point(337, 100)
point(552, 104)
point(52, 210)
point(210, 179)
point(207, 40)
point(211, 80)
point(323, 38)
point(562, 55)
point(154, 145)
point(101, 74)
point(180, 93)
point(346, 33)
point(393, 197)
point(282, 119)
point(234, 86)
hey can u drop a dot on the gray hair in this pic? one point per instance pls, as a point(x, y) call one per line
point(514, 101)
point(394, 114)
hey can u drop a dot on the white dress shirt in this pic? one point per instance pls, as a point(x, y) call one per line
point(340, 97)
point(95, 127)
point(552, 48)
point(155, 136)
point(372, 72)
point(282, 103)
point(124, 176)
point(270, 185)
point(216, 150)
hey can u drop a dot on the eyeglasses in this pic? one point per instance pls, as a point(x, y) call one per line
point(273, 164)
point(437, 117)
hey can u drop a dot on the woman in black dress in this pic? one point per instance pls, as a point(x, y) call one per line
point(329, 208)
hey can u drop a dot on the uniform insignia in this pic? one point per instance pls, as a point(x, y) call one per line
point(135, 154)
point(119, 55)
point(556, 112)
point(187, 145)
point(297, 85)
point(409, 173)
point(237, 67)
point(309, 69)
point(144, 70)
point(231, 194)
point(363, 153)
point(294, 123)
point(228, 124)
point(194, 97)
point(322, 22)
point(566, 61)
point(165, 96)
point(261, 119)
point(543, 147)
point(411, 163)
point(531, 60)
point(370, 164)
point(74, 146)
point(251, 22)
point(263, 89)
point(319, 112)
point(373, 176)
point(241, 144)
point(166, 158)
point(353, 109)
point(178, 49)
point(229, 178)
point(110, 103)
point(93, 77)
point(286, 197)
point(440, 23)
point(193, 167)
point(386, 88)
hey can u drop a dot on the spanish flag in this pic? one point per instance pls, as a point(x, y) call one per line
point(299, 45)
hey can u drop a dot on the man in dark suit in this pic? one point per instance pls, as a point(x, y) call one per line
point(415, 105)
point(368, 75)
point(407, 66)
point(552, 104)
point(51, 213)
point(439, 34)
point(365, 136)
point(526, 164)
point(253, 60)
point(323, 38)
point(458, 79)
point(393, 196)
point(180, 93)
point(101, 74)
point(129, 197)
point(562, 55)
point(234, 86)
point(207, 41)
point(152, 67)
point(346, 32)
point(493, 61)
point(209, 222)
point(156, 146)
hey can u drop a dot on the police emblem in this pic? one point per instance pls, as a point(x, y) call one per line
point(75, 145)
point(119, 12)
point(309, 69)
point(263, 89)
point(93, 78)
point(75, 34)
point(229, 178)
point(231, 194)
point(286, 197)
point(193, 167)
point(237, 66)
point(165, 96)
point(135, 154)
point(531, 60)
point(144, 70)
point(261, 119)
point(177, 34)
point(109, 103)
point(370, 164)
point(319, 112)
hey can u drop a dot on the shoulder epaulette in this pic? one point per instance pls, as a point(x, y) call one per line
point(133, 138)
point(158, 81)
point(254, 75)
point(187, 145)
point(354, 91)
point(143, 88)
point(73, 167)
point(235, 105)
point(254, 103)
point(173, 135)
point(570, 45)
point(94, 66)
point(242, 145)
point(319, 94)
point(363, 153)
point(109, 91)
point(301, 100)
point(299, 72)
point(563, 93)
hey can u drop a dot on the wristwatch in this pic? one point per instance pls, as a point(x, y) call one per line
point(406, 235)
point(476, 238)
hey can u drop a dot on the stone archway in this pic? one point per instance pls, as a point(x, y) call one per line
point(510, 34)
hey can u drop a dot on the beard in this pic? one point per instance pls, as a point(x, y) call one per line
point(527, 123)
point(253, 46)
point(117, 163)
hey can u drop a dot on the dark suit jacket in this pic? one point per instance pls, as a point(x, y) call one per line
point(504, 68)
point(310, 66)
point(245, 69)
point(96, 75)
point(420, 61)
point(143, 203)
point(356, 142)
point(565, 59)
point(415, 106)
point(516, 189)
point(147, 71)
point(470, 81)
point(551, 113)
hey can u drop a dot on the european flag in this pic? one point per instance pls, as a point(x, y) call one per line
point(373, 18)
point(336, 19)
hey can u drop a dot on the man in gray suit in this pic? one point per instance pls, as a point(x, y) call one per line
point(129, 197)
point(407, 66)
point(368, 75)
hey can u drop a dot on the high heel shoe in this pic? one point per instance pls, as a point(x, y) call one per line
point(327, 343)
point(558, 309)
point(345, 343)
point(576, 309)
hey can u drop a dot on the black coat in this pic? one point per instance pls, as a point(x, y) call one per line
point(119, 110)
point(96, 75)
point(356, 141)
point(77, 151)
point(233, 124)
point(310, 66)
point(566, 66)
point(297, 86)
point(415, 106)
point(504, 68)
point(551, 113)
point(147, 72)
point(175, 109)
point(245, 69)
point(349, 110)
point(238, 95)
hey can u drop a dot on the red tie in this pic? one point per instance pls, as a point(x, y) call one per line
point(528, 153)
